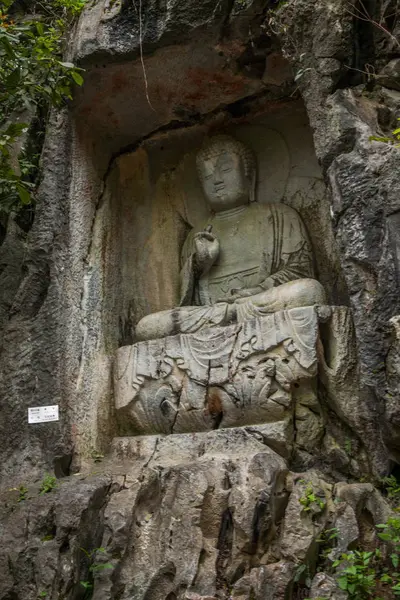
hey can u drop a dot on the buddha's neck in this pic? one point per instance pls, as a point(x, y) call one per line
point(231, 212)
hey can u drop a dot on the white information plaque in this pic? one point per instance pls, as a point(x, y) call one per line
point(43, 414)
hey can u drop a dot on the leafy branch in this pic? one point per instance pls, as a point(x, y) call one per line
point(33, 77)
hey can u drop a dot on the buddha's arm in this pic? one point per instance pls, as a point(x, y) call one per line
point(199, 253)
point(297, 264)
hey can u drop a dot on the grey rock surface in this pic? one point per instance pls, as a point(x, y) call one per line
point(195, 517)
point(389, 76)
point(213, 515)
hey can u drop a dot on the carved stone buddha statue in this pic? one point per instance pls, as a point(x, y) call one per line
point(250, 260)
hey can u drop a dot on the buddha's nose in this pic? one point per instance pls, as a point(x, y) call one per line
point(218, 179)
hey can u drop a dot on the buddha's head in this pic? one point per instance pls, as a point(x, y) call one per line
point(227, 171)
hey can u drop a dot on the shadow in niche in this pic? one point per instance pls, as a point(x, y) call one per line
point(329, 344)
point(224, 546)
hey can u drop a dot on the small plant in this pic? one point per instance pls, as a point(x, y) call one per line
point(310, 501)
point(391, 534)
point(42, 595)
point(392, 487)
point(327, 540)
point(23, 491)
point(348, 446)
point(93, 568)
point(48, 483)
point(97, 456)
point(87, 585)
point(357, 575)
point(303, 573)
point(391, 141)
point(328, 535)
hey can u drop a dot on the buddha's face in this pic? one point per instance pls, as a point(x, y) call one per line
point(224, 181)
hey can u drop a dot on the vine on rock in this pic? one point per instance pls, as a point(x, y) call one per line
point(33, 77)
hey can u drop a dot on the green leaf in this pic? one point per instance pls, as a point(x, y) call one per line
point(13, 79)
point(86, 584)
point(352, 570)
point(67, 65)
point(23, 194)
point(342, 583)
point(100, 567)
point(77, 78)
point(7, 47)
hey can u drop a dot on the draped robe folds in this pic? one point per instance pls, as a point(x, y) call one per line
point(263, 246)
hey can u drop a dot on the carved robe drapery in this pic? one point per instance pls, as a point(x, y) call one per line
point(263, 245)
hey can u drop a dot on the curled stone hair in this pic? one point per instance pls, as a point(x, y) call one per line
point(215, 145)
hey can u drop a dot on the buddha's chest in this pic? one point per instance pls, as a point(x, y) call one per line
point(239, 261)
point(240, 246)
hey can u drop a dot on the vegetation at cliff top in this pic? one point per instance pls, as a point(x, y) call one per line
point(33, 77)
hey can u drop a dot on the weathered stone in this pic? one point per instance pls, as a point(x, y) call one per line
point(324, 586)
point(219, 377)
point(11, 256)
point(43, 536)
point(389, 76)
point(203, 509)
point(302, 524)
point(200, 515)
point(363, 495)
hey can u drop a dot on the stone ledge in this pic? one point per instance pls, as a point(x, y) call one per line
point(164, 450)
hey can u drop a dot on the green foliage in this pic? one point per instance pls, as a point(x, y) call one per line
point(390, 532)
point(328, 535)
point(93, 568)
point(348, 446)
point(42, 595)
point(371, 574)
point(327, 542)
point(364, 575)
point(32, 78)
point(391, 141)
point(97, 456)
point(357, 576)
point(48, 483)
point(302, 573)
point(310, 501)
point(23, 491)
point(392, 487)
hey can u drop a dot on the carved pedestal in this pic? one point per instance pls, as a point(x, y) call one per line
point(231, 376)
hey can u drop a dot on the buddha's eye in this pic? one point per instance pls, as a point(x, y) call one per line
point(208, 176)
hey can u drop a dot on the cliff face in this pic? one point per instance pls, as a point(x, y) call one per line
point(215, 514)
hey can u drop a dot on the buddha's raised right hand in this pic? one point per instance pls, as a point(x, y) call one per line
point(206, 250)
